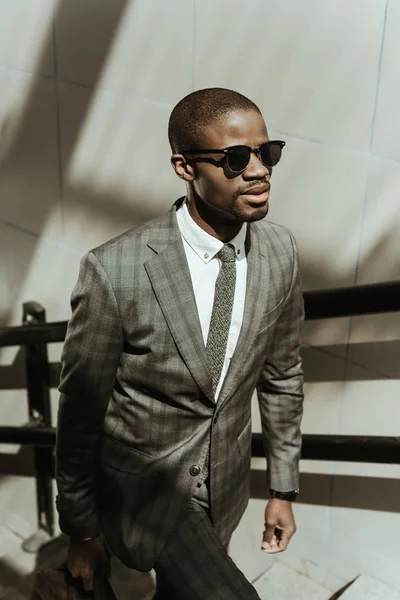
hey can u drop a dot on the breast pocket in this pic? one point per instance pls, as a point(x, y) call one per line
point(271, 316)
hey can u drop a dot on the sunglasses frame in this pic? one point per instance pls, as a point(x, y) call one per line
point(253, 150)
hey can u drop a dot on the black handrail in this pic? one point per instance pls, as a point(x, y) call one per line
point(343, 448)
point(29, 434)
point(369, 299)
point(374, 298)
point(340, 448)
point(44, 333)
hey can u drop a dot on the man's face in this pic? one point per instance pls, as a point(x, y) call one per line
point(231, 196)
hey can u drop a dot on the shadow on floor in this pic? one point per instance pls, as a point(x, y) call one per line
point(126, 583)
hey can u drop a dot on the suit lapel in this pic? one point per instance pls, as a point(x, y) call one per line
point(257, 280)
point(170, 278)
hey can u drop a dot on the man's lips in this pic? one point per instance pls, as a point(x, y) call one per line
point(257, 194)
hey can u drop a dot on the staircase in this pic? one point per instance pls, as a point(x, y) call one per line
point(280, 582)
point(368, 588)
point(283, 583)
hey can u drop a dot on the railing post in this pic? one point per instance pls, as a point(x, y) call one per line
point(38, 388)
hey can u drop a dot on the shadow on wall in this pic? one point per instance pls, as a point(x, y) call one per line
point(345, 491)
point(27, 160)
point(371, 361)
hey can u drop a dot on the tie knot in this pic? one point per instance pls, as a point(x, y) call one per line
point(227, 253)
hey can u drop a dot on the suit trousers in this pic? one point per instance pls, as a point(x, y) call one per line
point(195, 565)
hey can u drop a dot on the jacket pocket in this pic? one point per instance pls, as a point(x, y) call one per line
point(244, 439)
point(122, 457)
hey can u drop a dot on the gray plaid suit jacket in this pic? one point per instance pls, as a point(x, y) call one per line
point(136, 409)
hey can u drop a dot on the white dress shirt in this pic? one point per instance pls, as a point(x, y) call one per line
point(201, 248)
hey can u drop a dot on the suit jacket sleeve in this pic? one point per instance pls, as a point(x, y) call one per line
point(90, 359)
point(280, 390)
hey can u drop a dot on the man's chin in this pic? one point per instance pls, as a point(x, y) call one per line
point(252, 215)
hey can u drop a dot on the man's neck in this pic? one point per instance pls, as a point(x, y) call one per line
point(222, 229)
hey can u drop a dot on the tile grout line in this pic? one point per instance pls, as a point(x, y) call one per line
point(363, 214)
point(347, 362)
point(61, 187)
point(365, 202)
point(342, 358)
point(366, 153)
point(170, 106)
point(45, 238)
point(87, 86)
point(194, 46)
point(378, 79)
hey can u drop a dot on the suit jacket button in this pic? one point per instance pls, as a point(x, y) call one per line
point(194, 470)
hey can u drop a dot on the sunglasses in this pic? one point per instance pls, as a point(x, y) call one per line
point(238, 157)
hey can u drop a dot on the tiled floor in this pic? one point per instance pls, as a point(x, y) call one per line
point(367, 588)
point(282, 582)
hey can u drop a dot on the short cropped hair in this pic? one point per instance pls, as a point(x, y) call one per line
point(196, 111)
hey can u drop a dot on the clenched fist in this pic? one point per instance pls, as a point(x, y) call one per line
point(84, 557)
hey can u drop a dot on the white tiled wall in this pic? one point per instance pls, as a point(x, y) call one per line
point(26, 42)
point(109, 163)
point(387, 126)
point(29, 179)
point(312, 66)
point(318, 192)
point(380, 248)
point(87, 88)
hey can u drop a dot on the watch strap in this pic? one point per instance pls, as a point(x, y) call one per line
point(289, 496)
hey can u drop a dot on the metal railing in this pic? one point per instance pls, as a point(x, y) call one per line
point(34, 335)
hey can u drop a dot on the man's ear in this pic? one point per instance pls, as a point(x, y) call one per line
point(182, 167)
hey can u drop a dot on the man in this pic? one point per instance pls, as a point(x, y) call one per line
point(174, 326)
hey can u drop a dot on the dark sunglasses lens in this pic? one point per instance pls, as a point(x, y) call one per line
point(270, 153)
point(238, 158)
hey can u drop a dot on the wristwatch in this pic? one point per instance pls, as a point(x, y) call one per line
point(289, 496)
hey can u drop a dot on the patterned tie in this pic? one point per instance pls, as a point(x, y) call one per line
point(221, 313)
point(220, 323)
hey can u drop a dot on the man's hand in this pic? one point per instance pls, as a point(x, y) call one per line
point(279, 526)
point(84, 557)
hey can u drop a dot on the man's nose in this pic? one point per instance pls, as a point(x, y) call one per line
point(256, 169)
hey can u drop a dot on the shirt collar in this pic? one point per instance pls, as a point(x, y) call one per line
point(205, 245)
